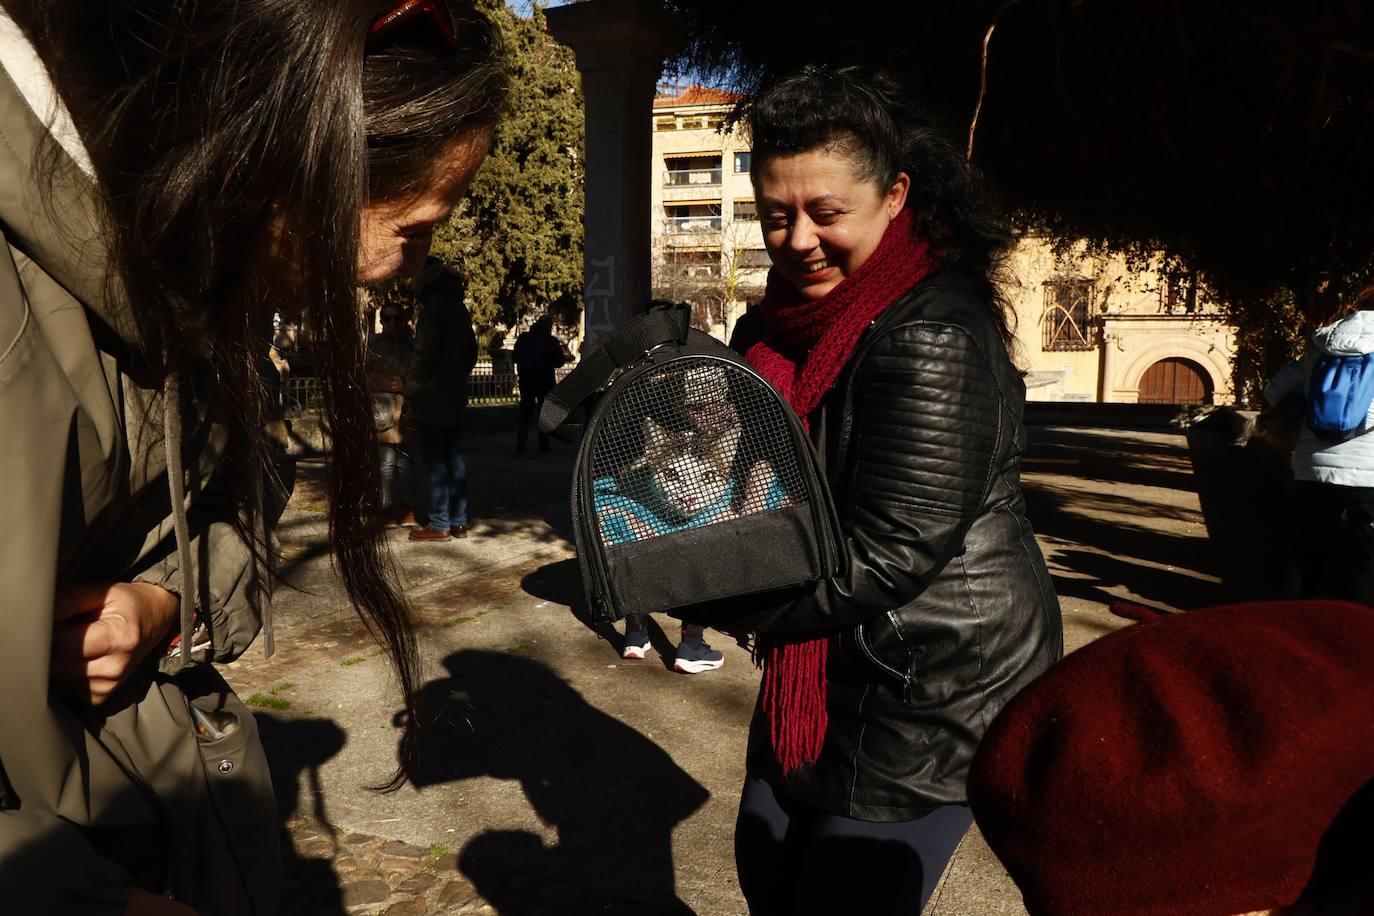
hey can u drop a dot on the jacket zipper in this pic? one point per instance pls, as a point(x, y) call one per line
point(862, 640)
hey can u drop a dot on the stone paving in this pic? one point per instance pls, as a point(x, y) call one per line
point(331, 872)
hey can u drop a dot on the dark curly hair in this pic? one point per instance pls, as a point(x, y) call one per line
point(870, 117)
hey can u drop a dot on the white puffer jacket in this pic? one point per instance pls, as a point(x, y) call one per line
point(1349, 463)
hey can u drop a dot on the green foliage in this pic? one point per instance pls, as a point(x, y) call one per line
point(1269, 333)
point(518, 235)
point(436, 852)
point(267, 701)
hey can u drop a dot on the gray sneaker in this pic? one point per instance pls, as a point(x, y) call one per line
point(695, 656)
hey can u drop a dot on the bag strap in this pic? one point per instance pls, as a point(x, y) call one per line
point(631, 342)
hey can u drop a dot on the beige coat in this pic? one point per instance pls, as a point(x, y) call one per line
point(95, 800)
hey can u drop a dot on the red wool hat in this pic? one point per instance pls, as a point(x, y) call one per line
point(1187, 765)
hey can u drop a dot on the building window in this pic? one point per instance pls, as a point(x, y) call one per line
point(692, 170)
point(668, 123)
point(693, 124)
point(1068, 317)
point(1180, 292)
point(691, 219)
point(754, 257)
point(746, 210)
point(742, 162)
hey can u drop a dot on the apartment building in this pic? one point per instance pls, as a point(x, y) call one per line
point(707, 247)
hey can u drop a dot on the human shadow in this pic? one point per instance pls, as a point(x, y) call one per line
point(613, 796)
point(296, 749)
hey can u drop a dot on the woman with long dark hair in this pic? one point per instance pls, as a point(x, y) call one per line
point(172, 173)
point(883, 326)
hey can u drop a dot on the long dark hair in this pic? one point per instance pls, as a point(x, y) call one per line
point(236, 145)
point(870, 117)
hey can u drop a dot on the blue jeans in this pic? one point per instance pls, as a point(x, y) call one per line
point(401, 487)
point(440, 450)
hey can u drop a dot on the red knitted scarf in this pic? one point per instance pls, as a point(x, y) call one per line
point(808, 343)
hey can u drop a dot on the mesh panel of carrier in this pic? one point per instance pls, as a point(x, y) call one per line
point(695, 442)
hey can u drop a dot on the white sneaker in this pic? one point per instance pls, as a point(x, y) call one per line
point(636, 644)
point(695, 656)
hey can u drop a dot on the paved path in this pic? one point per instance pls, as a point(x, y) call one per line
point(561, 779)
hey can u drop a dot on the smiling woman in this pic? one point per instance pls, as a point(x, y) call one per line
point(821, 221)
point(886, 332)
point(174, 173)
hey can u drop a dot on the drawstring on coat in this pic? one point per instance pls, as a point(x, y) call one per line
point(176, 482)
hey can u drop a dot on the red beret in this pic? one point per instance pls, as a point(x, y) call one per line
point(1188, 764)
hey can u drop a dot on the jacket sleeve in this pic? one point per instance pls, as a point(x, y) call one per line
point(46, 863)
point(1288, 381)
point(429, 334)
point(929, 425)
point(467, 340)
point(232, 591)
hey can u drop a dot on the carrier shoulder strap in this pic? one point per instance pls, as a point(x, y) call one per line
point(627, 345)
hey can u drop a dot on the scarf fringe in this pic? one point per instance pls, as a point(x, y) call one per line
point(794, 690)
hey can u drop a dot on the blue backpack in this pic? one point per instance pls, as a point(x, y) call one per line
point(1339, 394)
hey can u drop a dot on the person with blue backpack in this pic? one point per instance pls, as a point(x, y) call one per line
point(1333, 458)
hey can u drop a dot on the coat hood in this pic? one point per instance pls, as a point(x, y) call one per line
point(1353, 335)
point(48, 193)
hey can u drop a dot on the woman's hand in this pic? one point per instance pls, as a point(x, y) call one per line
point(142, 903)
point(103, 630)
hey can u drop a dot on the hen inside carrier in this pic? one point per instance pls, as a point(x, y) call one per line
point(693, 443)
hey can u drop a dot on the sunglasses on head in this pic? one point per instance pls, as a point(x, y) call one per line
point(404, 12)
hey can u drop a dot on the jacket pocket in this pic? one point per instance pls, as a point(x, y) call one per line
point(247, 872)
point(901, 672)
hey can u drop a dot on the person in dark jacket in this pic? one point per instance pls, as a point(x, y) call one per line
point(884, 329)
point(437, 389)
point(537, 354)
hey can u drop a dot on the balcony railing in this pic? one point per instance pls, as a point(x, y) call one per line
point(695, 178)
point(689, 225)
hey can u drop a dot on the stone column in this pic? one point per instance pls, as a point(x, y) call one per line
point(620, 46)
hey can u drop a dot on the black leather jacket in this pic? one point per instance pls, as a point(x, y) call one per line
point(948, 609)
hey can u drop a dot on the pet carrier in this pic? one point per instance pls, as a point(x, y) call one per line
point(695, 482)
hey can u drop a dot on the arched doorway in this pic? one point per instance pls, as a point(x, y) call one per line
point(1175, 381)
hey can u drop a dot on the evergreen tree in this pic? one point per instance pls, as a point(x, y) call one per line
point(518, 235)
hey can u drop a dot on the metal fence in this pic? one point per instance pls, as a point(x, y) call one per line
point(485, 389)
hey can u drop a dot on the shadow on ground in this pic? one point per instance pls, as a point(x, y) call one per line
point(613, 796)
point(1137, 539)
point(296, 749)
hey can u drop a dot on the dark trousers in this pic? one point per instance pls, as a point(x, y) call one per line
point(1332, 541)
point(441, 452)
point(531, 402)
point(795, 861)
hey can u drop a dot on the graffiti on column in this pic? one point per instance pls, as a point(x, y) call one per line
point(599, 296)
